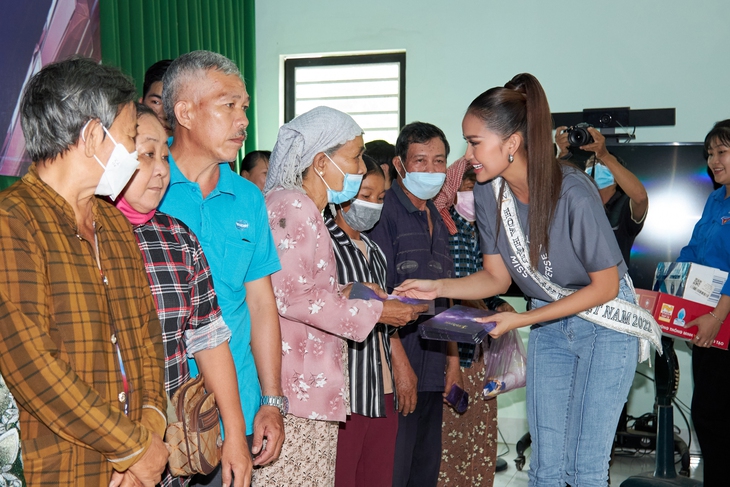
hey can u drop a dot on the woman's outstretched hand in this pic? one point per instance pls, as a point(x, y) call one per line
point(419, 289)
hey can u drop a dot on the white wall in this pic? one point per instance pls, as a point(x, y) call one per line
point(638, 53)
point(587, 54)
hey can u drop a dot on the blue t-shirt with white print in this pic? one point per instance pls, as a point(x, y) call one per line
point(710, 242)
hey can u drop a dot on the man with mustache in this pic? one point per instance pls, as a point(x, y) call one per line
point(205, 100)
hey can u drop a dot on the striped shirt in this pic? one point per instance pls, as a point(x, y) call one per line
point(186, 302)
point(364, 359)
point(61, 322)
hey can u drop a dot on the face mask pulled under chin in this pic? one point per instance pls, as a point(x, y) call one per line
point(423, 185)
point(119, 168)
point(362, 215)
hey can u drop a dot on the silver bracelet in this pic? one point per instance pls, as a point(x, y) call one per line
point(713, 315)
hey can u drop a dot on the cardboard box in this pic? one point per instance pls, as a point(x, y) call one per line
point(673, 313)
point(691, 281)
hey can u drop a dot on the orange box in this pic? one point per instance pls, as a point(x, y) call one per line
point(672, 313)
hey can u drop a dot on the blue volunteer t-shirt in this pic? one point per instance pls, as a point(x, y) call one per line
point(709, 244)
point(232, 226)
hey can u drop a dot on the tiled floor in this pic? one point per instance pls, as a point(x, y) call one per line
point(624, 466)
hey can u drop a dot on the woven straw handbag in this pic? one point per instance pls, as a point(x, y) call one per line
point(195, 438)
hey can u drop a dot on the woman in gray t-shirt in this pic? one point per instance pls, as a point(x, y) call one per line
point(554, 230)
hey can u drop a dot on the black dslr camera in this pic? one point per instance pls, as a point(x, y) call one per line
point(578, 135)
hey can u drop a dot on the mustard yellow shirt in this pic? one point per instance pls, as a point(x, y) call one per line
point(56, 349)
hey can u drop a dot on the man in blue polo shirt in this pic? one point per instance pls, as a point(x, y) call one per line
point(205, 100)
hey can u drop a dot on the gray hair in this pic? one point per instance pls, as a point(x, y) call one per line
point(189, 67)
point(63, 96)
point(321, 129)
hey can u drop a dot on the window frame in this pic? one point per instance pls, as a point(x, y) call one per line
point(290, 65)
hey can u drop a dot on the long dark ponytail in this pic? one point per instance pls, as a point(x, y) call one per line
point(521, 106)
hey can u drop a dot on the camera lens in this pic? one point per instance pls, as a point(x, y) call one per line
point(579, 136)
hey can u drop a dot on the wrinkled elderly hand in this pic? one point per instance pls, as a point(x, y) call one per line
point(148, 470)
point(345, 290)
point(396, 313)
point(124, 479)
point(406, 386)
point(236, 461)
point(452, 376)
point(268, 423)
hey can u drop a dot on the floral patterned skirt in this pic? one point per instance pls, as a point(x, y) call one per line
point(308, 456)
point(469, 440)
point(10, 461)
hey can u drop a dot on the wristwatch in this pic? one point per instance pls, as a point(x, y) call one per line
point(281, 402)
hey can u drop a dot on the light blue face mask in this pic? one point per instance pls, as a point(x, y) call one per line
point(350, 186)
point(423, 185)
point(601, 174)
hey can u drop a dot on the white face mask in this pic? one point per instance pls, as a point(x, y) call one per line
point(119, 168)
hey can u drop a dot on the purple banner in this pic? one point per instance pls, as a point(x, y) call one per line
point(34, 34)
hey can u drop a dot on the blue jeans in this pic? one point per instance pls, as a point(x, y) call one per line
point(578, 378)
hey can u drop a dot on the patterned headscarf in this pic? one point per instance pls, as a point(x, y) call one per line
point(445, 199)
point(310, 133)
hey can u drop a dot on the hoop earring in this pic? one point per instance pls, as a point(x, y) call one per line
point(511, 159)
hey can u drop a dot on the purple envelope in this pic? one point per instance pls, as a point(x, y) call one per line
point(361, 291)
point(458, 399)
point(457, 324)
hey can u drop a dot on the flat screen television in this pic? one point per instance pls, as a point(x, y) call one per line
point(677, 181)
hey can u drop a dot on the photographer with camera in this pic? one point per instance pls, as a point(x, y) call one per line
point(623, 195)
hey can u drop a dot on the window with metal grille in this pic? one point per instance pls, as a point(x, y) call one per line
point(369, 87)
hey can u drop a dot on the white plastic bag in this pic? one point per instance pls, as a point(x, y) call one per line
point(506, 364)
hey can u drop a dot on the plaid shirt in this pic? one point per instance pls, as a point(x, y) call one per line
point(186, 303)
point(57, 353)
point(182, 286)
point(464, 246)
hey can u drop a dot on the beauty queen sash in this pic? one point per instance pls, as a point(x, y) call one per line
point(617, 314)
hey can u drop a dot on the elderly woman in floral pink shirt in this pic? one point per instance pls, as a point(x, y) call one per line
point(317, 160)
